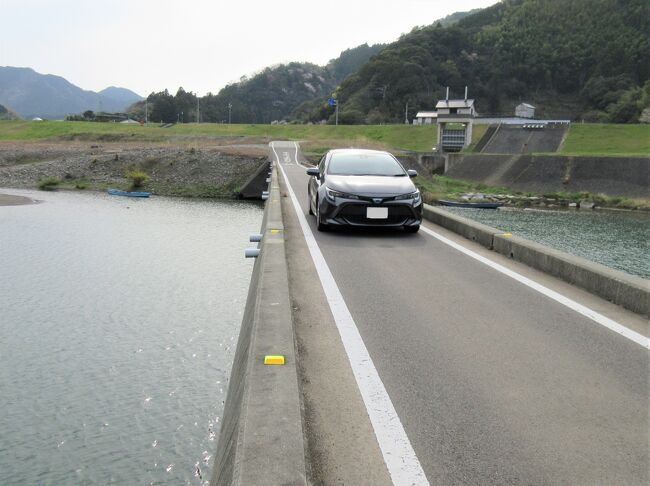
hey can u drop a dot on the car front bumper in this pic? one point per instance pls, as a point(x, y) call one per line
point(348, 212)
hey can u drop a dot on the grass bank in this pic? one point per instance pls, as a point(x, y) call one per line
point(388, 136)
point(607, 139)
point(582, 139)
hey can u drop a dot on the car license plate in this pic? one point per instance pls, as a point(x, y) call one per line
point(377, 213)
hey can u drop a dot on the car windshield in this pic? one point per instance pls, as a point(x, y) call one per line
point(360, 164)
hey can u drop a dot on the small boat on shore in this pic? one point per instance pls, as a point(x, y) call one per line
point(475, 205)
point(117, 192)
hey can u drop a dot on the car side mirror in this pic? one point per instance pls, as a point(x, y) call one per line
point(412, 173)
point(313, 171)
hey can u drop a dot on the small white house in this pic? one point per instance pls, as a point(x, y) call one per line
point(425, 118)
point(456, 107)
point(525, 110)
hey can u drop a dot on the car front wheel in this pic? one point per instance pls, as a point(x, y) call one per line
point(319, 223)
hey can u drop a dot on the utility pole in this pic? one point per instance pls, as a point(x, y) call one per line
point(406, 114)
point(229, 112)
point(198, 118)
point(146, 112)
point(337, 112)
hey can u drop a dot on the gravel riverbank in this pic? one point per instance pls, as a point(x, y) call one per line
point(198, 169)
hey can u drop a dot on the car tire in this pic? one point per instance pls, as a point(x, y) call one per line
point(319, 224)
point(412, 229)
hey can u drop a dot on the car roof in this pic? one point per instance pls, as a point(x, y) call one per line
point(358, 151)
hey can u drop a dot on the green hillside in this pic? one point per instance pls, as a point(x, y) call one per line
point(583, 59)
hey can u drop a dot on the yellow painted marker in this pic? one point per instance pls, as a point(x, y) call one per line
point(275, 231)
point(506, 234)
point(273, 360)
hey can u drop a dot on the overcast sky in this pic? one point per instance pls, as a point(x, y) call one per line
point(201, 45)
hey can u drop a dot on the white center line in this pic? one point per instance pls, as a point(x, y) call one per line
point(399, 456)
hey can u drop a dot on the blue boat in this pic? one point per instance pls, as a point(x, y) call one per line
point(117, 192)
point(477, 205)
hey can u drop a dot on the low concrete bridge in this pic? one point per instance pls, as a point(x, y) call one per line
point(430, 359)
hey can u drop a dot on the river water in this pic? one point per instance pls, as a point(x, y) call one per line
point(118, 324)
point(617, 239)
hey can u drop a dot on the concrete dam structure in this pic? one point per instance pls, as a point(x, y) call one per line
point(456, 355)
point(615, 176)
point(522, 139)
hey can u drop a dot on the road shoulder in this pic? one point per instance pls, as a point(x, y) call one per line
point(341, 445)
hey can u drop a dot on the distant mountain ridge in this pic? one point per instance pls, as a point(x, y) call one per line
point(31, 94)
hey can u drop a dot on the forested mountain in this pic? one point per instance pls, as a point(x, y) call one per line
point(275, 93)
point(33, 94)
point(579, 59)
point(455, 17)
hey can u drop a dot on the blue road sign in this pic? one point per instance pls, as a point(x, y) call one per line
point(331, 102)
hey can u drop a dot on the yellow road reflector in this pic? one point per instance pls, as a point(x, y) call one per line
point(273, 360)
point(275, 232)
point(506, 234)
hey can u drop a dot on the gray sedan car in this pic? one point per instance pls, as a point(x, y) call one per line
point(367, 188)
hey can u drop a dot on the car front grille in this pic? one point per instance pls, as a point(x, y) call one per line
point(356, 214)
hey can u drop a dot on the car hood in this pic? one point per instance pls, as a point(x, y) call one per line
point(370, 185)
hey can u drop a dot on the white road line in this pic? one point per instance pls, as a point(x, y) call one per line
point(571, 304)
point(399, 456)
point(297, 161)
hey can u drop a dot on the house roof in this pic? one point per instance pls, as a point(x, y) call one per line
point(427, 114)
point(454, 104)
point(527, 105)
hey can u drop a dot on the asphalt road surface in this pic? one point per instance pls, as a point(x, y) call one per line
point(493, 382)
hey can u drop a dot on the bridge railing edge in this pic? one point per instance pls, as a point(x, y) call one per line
point(261, 438)
point(628, 291)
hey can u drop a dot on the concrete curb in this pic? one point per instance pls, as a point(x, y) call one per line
point(628, 291)
point(471, 230)
point(261, 437)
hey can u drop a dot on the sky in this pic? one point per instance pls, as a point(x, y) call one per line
point(201, 45)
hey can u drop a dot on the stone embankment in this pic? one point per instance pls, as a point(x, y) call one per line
point(187, 169)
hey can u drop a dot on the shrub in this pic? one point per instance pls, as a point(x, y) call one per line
point(48, 184)
point(138, 178)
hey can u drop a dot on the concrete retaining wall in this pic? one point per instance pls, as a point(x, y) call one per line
point(261, 437)
point(424, 163)
point(615, 176)
point(253, 187)
point(629, 291)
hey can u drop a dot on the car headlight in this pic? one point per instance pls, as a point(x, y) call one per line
point(412, 195)
point(334, 194)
